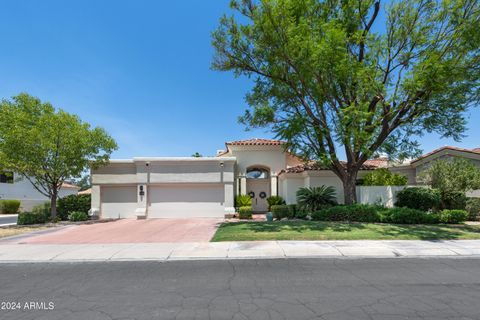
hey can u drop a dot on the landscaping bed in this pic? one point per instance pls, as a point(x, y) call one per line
point(16, 230)
point(320, 230)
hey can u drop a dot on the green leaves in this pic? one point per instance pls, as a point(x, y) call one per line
point(47, 145)
point(452, 176)
point(384, 177)
point(314, 198)
point(332, 75)
point(354, 79)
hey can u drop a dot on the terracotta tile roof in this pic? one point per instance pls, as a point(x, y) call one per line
point(255, 142)
point(87, 191)
point(381, 162)
point(315, 166)
point(474, 151)
point(66, 185)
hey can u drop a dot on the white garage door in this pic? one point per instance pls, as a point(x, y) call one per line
point(186, 201)
point(118, 202)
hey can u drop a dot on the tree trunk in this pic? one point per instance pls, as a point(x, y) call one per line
point(349, 188)
point(53, 204)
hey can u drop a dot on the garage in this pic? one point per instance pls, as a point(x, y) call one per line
point(118, 201)
point(186, 201)
point(164, 187)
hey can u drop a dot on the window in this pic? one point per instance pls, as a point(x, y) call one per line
point(257, 173)
point(6, 177)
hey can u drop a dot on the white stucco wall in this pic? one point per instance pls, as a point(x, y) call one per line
point(291, 182)
point(273, 157)
point(21, 189)
point(173, 186)
point(383, 195)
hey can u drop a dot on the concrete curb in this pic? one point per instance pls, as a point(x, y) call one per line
point(28, 253)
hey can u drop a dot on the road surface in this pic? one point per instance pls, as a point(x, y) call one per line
point(8, 219)
point(244, 289)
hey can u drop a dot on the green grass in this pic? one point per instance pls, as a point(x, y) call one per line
point(315, 230)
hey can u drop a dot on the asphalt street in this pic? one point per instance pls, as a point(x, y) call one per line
point(244, 289)
point(8, 219)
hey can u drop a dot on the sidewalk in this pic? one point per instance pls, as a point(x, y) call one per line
point(237, 250)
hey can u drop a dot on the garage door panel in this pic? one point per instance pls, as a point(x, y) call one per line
point(119, 202)
point(184, 201)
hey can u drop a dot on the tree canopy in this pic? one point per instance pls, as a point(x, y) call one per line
point(384, 177)
point(48, 146)
point(352, 78)
point(452, 176)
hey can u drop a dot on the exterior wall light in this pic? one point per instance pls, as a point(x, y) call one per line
point(141, 192)
point(222, 164)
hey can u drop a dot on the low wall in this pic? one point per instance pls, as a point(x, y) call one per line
point(382, 195)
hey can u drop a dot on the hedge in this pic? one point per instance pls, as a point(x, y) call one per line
point(78, 216)
point(408, 216)
point(25, 218)
point(453, 216)
point(355, 212)
point(281, 211)
point(245, 212)
point(73, 203)
point(419, 198)
point(9, 206)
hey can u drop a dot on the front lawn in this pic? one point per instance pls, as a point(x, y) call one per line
point(13, 231)
point(319, 230)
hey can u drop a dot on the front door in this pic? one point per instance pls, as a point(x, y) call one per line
point(259, 190)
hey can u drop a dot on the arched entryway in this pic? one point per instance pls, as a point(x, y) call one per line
point(258, 187)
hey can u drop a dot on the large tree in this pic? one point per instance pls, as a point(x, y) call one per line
point(48, 146)
point(351, 78)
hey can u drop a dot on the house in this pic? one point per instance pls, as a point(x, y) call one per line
point(186, 187)
point(205, 187)
point(15, 187)
point(414, 168)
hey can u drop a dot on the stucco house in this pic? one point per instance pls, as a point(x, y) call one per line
point(183, 187)
point(15, 187)
point(414, 168)
point(205, 187)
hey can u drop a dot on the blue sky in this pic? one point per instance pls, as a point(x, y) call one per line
point(140, 69)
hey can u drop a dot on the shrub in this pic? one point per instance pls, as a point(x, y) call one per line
point(281, 211)
point(454, 201)
point(300, 214)
point(314, 198)
point(355, 212)
point(43, 208)
point(418, 198)
point(25, 218)
point(384, 177)
point(453, 216)
point(473, 208)
point(404, 215)
point(243, 200)
point(274, 201)
point(73, 203)
point(245, 212)
point(9, 206)
point(78, 216)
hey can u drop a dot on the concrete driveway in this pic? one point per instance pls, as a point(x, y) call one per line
point(132, 231)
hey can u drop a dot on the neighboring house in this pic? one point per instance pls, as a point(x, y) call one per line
point(16, 187)
point(414, 168)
